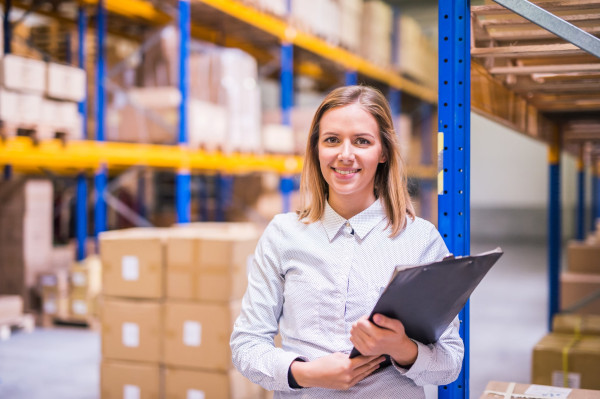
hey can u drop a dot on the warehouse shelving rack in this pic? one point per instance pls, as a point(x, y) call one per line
point(299, 51)
point(530, 86)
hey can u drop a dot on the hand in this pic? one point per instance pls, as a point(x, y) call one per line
point(335, 371)
point(383, 337)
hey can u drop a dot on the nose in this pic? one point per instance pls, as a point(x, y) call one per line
point(346, 152)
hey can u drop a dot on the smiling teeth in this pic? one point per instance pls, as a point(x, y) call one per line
point(346, 172)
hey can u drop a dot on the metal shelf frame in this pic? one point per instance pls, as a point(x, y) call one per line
point(553, 135)
point(454, 153)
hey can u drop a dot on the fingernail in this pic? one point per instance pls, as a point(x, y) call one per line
point(377, 318)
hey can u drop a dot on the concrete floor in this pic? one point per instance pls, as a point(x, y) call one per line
point(508, 316)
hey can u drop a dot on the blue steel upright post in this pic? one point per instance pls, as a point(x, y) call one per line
point(81, 213)
point(183, 182)
point(287, 102)
point(554, 225)
point(101, 178)
point(595, 192)
point(351, 78)
point(580, 196)
point(454, 105)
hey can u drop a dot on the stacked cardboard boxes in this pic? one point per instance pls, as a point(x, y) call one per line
point(416, 54)
point(580, 284)
point(25, 236)
point(40, 97)
point(170, 299)
point(497, 389)
point(223, 105)
point(376, 32)
point(570, 355)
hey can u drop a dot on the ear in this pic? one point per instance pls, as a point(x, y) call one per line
point(382, 158)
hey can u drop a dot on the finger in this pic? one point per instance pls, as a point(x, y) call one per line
point(364, 373)
point(386, 322)
point(359, 361)
point(361, 340)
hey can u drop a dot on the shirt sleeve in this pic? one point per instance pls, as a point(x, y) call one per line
point(439, 363)
point(252, 342)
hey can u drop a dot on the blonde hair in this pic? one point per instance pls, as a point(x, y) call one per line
point(390, 177)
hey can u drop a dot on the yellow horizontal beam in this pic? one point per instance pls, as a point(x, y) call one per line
point(89, 155)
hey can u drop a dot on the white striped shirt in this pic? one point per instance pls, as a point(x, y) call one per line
point(313, 281)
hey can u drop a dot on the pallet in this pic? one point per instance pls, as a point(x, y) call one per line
point(25, 322)
point(51, 321)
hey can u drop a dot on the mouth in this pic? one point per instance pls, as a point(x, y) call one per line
point(346, 171)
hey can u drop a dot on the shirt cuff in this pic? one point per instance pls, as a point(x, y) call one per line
point(282, 366)
point(421, 363)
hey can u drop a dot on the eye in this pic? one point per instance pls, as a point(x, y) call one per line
point(330, 140)
point(362, 141)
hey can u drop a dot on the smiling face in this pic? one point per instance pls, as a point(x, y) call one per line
point(350, 150)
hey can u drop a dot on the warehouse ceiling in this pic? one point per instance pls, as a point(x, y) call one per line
point(539, 70)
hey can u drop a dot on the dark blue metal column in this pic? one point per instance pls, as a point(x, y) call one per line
point(81, 212)
point(454, 127)
point(287, 102)
point(101, 177)
point(580, 196)
point(183, 182)
point(595, 192)
point(7, 49)
point(554, 226)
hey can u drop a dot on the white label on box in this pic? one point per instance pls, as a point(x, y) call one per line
point(49, 280)
point(195, 394)
point(50, 306)
point(79, 307)
point(78, 279)
point(548, 392)
point(573, 379)
point(192, 333)
point(130, 268)
point(130, 335)
point(131, 392)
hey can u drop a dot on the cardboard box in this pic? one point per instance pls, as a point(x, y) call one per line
point(56, 305)
point(11, 307)
point(23, 74)
point(8, 106)
point(495, 390)
point(65, 82)
point(582, 362)
point(54, 292)
point(81, 305)
point(576, 287)
point(125, 380)
point(208, 265)
point(131, 330)
point(187, 383)
point(85, 278)
point(583, 258)
point(25, 236)
point(576, 324)
point(197, 335)
point(133, 263)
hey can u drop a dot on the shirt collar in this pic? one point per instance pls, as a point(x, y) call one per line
point(362, 223)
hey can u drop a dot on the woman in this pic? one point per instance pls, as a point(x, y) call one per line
point(318, 273)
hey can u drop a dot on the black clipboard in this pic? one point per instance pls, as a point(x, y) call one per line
point(426, 298)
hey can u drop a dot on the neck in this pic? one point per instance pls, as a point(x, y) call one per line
point(349, 207)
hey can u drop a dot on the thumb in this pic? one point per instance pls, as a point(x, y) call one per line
point(386, 322)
